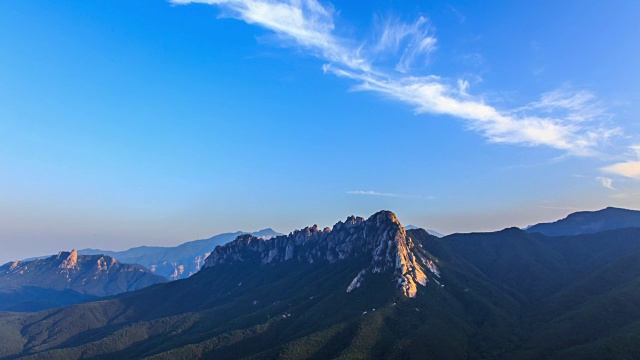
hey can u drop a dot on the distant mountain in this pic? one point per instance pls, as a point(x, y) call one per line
point(366, 289)
point(432, 232)
point(67, 278)
point(588, 222)
point(176, 262)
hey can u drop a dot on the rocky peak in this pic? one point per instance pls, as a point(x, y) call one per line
point(71, 276)
point(14, 265)
point(69, 259)
point(381, 237)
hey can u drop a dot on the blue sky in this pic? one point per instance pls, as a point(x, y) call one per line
point(125, 123)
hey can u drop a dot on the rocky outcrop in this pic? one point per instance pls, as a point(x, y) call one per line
point(94, 275)
point(380, 238)
point(69, 260)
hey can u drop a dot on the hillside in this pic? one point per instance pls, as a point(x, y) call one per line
point(366, 289)
point(68, 278)
point(315, 292)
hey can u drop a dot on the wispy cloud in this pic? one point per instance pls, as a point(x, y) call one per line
point(304, 23)
point(630, 169)
point(371, 193)
point(571, 121)
point(411, 43)
point(606, 182)
point(458, 14)
point(575, 106)
point(432, 94)
point(376, 193)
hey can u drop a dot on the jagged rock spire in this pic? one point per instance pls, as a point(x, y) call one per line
point(70, 259)
point(381, 237)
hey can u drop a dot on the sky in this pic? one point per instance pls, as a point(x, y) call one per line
point(126, 123)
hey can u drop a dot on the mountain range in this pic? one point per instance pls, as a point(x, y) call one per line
point(367, 288)
point(175, 262)
point(68, 278)
point(589, 222)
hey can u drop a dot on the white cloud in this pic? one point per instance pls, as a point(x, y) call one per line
point(304, 22)
point(371, 193)
point(411, 43)
point(630, 169)
point(635, 149)
point(572, 121)
point(575, 106)
point(431, 94)
point(375, 193)
point(606, 182)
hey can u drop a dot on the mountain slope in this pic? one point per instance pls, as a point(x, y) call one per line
point(577, 294)
point(535, 265)
point(292, 296)
point(176, 262)
point(588, 222)
point(67, 278)
point(366, 289)
point(601, 308)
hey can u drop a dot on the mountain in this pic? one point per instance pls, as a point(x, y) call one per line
point(381, 236)
point(67, 278)
point(588, 222)
point(176, 262)
point(432, 232)
point(301, 294)
point(366, 289)
point(575, 295)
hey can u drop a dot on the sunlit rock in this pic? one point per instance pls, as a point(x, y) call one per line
point(381, 238)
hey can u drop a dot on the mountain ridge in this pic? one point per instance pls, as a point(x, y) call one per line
point(587, 222)
point(430, 231)
point(494, 295)
point(381, 234)
point(172, 262)
point(68, 278)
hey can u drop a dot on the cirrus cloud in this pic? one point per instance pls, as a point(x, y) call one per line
point(371, 193)
point(606, 182)
point(571, 121)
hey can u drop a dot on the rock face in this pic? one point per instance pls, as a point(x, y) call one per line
point(381, 238)
point(70, 260)
point(68, 278)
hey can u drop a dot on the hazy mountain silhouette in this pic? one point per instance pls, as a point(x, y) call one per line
point(588, 222)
